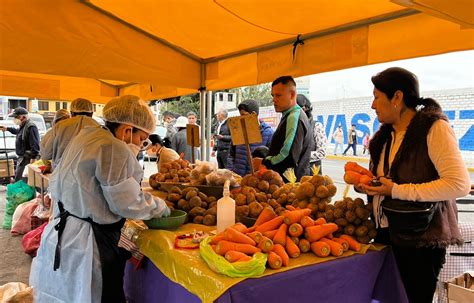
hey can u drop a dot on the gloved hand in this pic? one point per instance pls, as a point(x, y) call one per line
point(161, 210)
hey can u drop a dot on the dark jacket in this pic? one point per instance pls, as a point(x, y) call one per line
point(412, 164)
point(27, 142)
point(179, 144)
point(238, 161)
point(224, 143)
point(291, 144)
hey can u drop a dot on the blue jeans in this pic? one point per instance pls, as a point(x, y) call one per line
point(354, 148)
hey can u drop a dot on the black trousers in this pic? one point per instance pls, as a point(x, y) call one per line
point(419, 268)
point(22, 162)
point(222, 156)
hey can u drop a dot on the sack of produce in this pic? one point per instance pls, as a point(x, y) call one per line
point(17, 193)
point(245, 269)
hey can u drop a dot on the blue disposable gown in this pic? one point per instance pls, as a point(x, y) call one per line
point(98, 177)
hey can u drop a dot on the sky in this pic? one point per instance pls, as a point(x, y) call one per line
point(447, 71)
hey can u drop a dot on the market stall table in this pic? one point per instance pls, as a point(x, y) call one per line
point(369, 277)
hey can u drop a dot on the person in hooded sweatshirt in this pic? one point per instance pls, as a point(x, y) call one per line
point(238, 161)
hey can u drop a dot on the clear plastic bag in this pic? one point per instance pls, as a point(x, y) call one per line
point(200, 171)
point(219, 177)
point(251, 268)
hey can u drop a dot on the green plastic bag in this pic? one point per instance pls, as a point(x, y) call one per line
point(17, 193)
point(251, 268)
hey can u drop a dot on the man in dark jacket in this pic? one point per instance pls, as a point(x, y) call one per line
point(222, 145)
point(293, 140)
point(27, 144)
point(238, 161)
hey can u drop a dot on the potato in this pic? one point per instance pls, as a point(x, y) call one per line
point(263, 185)
point(240, 199)
point(280, 210)
point(350, 216)
point(369, 207)
point(349, 229)
point(320, 214)
point(250, 197)
point(317, 181)
point(359, 202)
point(252, 181)
point(212, 204)
point(264, 204)
point(195, 202)
point(341, 222)
point(272, 188)
point(173, 197)
point(182, 203)
point(372, 233)
point(313, 207)
point(330, 207)
point(255, 209)
point(209, 220)
point(190, 194)
point(203, 204)
point(303, 204)
point(211, 211)
point(203, 196)
point(305, 190)
point(322, 191)
point(363, 240)
point(197, 211)
point(362, 213)
point(153, 183)
point(350, 205)
point(329, 215)
point(314, 200)
point(198, 219)
point(305, 179)
point(267, 175)
point(357, 221)
point(277, 193)
point(339, 213)
point(332, 190)
point(328, 180)
point(176, 190)
point(246, 190)
point(340, 204)
point(211, 199)
point(282, 199)
point(291, 197)
point(361, 231)
point(321, 206)
point(242, 211)
point(273, 203)
point(261, 197)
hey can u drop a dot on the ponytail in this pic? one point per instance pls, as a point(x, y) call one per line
point(428, 104)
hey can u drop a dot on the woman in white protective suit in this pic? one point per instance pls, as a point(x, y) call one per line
point(95, 186)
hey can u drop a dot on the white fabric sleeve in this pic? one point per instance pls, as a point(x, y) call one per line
point(143, 207)
point(453, 179)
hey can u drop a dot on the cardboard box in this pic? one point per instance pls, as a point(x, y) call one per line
point(4, 168)
point(461, 288)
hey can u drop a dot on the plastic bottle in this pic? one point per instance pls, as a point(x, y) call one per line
point(225, 210)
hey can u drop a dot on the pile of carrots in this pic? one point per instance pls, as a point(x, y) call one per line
point(282, 237)
point(356, 174)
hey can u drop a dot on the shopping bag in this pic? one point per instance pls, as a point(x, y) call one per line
point(31, 240)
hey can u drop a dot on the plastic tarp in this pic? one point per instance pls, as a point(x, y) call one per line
point(187, 268)
point(166, 48)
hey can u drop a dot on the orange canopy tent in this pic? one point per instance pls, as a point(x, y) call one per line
point(164, 48)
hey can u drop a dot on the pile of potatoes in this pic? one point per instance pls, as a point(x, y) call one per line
point(353, 218)
point(177, 171)
point(256, 193)
point(201, 209)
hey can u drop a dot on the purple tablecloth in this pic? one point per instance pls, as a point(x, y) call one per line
point(372, 277)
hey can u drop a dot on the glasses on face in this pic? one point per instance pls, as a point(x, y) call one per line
point(145, 144)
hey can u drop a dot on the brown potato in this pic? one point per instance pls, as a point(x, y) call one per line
point(305, 190)
point(242, 211)
point(350, 205)
point(369, 224)
point(190, 194)
point(350, 216)
point(209, 220)
point(198, 219)
point(359, 202)
point(332, 190)
point(280, 210)
point(261, 197)
point(305, 179)
point(329, 215)
point(203, 204)
point(252, 181)
point(211, 211)
point(263, 185)
point(341, 222)
point(317, 181)
point(250, 197)
point(330, 207)
point(340, 204)
point(240, 199)
point(349, 229)
point(195, 201)
point(322, 191)
point(303, 204)
point(362, 213)
point(321, 206)
point(339, 213)
point(182, 203)
point(212, 204)
point(203, 196)
point(314, 200)
point(291, 197)
point(372, 233)
point(272, 188)
point(363, 240)
point(357, 222)
point(255, 209)
point(361, 231)
point(327, 180)
point(173, 197)
point(197, 211)
point(153, 183)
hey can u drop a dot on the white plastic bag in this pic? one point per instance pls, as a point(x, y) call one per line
point(16, 292)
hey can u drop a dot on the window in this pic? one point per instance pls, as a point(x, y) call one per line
point(93, 107)
point(58, 106)
point(230, 97)
point(221, 97)
point(64, 105)
point(43, 105)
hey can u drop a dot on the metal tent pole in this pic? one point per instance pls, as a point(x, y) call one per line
point(209, 125)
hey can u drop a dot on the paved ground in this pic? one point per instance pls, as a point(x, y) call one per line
point(15, 264)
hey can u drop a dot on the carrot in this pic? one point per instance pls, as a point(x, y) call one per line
point(352, 177)
point(266, 215)
point(265, 244)
point(353, 244)
point(291, 248)
point(217, 238)
point(290, 207)
point(234, 256)
point(320, 221)
point(307, 221)
point(224, 246)
point(239, 227)
point(314, 233)
point(274, 260)
point(296, 215)
point(256, 236)
point(329, 236)
point(270, 234)
point(280, 250)
point(295, 240)
point(249, 230)
point(236, 236)
point(295, 230)
point(270, 225)
point(344, 243)
point(304, 245)
point(320, 249)
point(280, 236)
point(336, 248)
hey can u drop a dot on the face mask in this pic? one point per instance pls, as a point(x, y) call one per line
point(17, 121)
point(133, 148)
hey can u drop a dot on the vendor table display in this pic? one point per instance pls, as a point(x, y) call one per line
point(180, 275)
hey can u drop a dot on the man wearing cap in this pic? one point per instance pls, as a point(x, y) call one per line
point(223, 143)
point(96, 186)
point(55, 143)
point(293, 140)
point(238, 161)
point(27, 140)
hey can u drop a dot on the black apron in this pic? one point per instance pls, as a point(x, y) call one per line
point(112, 257)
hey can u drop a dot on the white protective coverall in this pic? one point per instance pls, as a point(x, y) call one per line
point(97, 178)
point(56, 140)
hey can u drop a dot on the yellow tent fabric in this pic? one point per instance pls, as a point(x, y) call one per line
point(169, 48)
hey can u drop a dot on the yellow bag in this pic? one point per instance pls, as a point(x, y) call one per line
point(219, 264)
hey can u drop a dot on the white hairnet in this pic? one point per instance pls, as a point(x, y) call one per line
point(130, 110)
point(81, 105)
point(60, 115)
